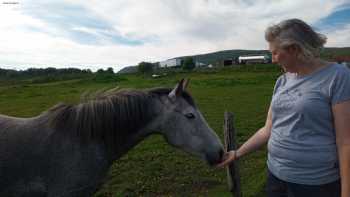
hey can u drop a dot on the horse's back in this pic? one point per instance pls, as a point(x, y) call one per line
point(21, 158)
point(38, 161)
point(25, 188)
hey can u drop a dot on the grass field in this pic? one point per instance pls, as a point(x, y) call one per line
point(153, 168)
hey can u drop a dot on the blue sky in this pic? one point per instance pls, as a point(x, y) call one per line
point(336, 19)
point(98, 34)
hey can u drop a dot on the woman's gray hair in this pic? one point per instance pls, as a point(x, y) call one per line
point(297, 32)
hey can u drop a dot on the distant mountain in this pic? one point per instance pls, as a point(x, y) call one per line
point(210, 58)
point(128, 69)
point(329, 53)
point(332, 53)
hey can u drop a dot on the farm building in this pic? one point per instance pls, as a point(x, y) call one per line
point(170, 63)
point(200, 64)
point(228, 62)
point(254, 59)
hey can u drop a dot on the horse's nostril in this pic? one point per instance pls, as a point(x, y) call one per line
point(215, 157)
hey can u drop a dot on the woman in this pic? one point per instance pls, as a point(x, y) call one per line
point(308, 122)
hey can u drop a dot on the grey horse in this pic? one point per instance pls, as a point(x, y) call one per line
point(67, 150)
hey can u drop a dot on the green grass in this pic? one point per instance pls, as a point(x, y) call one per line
point(153, 168)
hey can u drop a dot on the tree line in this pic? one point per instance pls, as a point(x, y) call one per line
point(50, 71)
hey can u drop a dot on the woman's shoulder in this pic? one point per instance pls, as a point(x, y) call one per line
point(340, 70)
point(338, 67)
point(281, 80)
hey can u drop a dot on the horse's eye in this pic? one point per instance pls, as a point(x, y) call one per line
point(190, 115)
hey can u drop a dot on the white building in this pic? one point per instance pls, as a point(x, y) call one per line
point(170, 63)
point(200, 64)
point(253, 59)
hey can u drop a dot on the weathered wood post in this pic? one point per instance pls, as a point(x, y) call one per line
point(233, 177)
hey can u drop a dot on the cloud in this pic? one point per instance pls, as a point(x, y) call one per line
point(338, 37)
point(96, 33)
point(74, 22)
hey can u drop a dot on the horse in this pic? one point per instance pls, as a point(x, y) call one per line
point(67, 150)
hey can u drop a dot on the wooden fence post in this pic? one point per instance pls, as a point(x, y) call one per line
point(233, 177)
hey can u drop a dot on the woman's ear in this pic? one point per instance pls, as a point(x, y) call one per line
point(291, 48)
point(294, 50)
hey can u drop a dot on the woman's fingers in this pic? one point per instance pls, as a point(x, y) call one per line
point(227, 158)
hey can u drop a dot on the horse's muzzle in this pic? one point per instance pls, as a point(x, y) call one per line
point(214, 158)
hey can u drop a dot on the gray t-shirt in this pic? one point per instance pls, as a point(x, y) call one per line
point(302, 147)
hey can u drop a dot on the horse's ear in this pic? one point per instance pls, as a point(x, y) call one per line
point(177, 91)
point(185, 84)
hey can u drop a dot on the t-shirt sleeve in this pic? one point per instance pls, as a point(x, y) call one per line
point(341, 86)
point(278, 83)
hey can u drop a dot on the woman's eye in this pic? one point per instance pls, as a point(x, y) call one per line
point(190, 116)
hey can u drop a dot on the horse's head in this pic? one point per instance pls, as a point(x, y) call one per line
point(184, 126)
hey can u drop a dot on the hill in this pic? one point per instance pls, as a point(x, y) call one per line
point(128, 69)
point(333, 53)
point(209, 58)
point(329, 53)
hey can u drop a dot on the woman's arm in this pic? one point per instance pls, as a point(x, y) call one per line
point(259, 139)
point(341, 114)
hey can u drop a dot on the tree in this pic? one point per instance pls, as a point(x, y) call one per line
point(110, 70)
point(145, 67)
point(188, 64)
point(100, 71)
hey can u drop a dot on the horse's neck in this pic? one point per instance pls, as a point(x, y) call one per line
point(152, 127)
point(136, 137)
point(129, 143)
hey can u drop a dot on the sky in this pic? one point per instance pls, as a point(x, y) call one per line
point(93, 34)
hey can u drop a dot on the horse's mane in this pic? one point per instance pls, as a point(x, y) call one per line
point(109, 116)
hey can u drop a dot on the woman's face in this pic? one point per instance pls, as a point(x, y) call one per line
point(283, 57)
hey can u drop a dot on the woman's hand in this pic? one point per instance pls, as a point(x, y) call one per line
point(227, 158)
